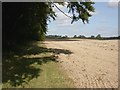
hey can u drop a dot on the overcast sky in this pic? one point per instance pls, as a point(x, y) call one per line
point(104, 21)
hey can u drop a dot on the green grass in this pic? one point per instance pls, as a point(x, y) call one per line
point(34, 67)
point(50, 77)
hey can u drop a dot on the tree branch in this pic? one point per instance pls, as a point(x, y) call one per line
point(62, 11)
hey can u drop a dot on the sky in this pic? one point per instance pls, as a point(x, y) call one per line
point(104, 21)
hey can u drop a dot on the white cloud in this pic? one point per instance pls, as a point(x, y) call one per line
point(93, 13)
point(113, 3)
point(62, 20)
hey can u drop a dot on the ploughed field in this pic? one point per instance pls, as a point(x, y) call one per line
point(91, 63)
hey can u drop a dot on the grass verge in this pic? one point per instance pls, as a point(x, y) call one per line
point(34, 67)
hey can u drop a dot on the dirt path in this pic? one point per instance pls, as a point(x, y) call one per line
point(93, 63)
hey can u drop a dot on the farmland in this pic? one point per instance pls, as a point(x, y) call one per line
point(91, 63)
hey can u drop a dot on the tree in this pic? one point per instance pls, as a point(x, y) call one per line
point(81, 36)
point(65, 36)
point(23, 22)
point(75, 36)
point(92, 37)
point(26, 21)
point(98, 36)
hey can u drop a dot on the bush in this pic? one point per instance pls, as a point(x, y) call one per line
point(98, 36)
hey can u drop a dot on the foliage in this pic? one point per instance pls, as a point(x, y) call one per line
point(24, 22)
point(80, 10)
point(109, 38)
point(98, 36)
point(81, 36)
point(27, 21)
point(53, 36)
point(92, 37)
point(65, 36)
point(56, 37)
point(75, 36)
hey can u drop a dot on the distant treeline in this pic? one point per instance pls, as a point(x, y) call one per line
point(56, 36)
point(99, 37)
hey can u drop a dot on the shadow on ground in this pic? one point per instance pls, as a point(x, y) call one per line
point(18, 69)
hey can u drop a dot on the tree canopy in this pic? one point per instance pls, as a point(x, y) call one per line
point(27, 21)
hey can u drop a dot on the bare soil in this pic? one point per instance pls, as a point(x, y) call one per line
point(92, 64)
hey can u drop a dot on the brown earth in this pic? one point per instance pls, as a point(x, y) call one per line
point(92, 64)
